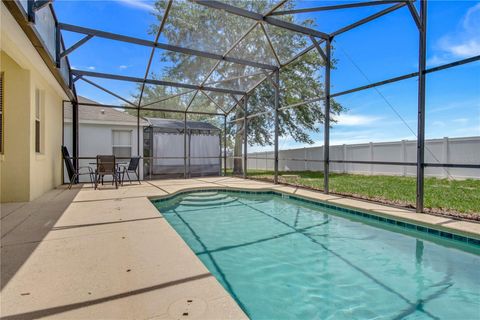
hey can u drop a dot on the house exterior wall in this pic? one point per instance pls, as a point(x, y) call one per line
point(14, 163)
point(97, 138)
point(45, 167)
point(25, 174)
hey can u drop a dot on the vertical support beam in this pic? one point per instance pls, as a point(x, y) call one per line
point(305, 163)
point(138, 141)
point(189, 172)
point(266, 161)
point(58, 46)
point(185, 145)
point(445, 151)
point(70, 78)
point(326, 142)
point(370, 147)
point(138, 131)
point(220, 154)
point(62, 170)
point(421, 106)
point(404, 157)
point(31, 11)
point(75, 134)
point(225, 145)
point(245, 135)
point(151, 159)
point(277, 102)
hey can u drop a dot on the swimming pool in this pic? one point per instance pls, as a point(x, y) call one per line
point(284, 258)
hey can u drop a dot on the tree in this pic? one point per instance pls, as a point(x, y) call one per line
point(198, 27)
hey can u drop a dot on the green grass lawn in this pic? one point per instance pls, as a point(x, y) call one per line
point(441, 195)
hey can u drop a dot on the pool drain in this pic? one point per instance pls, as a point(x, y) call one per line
point(187, 308)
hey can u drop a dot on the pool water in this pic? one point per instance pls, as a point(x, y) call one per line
point(286, 259)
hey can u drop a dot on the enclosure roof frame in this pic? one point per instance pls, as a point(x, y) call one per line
point(260, 19)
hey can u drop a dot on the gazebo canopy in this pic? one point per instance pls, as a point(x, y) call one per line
point(169, 125)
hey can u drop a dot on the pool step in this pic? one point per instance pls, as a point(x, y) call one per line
point(202, 194)
point(211, 200)
point(217, 196)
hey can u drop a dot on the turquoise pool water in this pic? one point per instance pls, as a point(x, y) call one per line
point(286, 259)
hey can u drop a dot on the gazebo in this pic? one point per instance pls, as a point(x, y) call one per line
point(164, 143)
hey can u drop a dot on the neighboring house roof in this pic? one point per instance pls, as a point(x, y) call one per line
point(179, 124)
point(109, 116)
point(102, 115)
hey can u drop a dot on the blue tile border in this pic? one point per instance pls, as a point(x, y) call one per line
point(388, 221)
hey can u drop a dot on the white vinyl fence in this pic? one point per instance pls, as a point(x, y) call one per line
point(447, 150)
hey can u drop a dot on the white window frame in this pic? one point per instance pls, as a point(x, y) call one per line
point(38, 113)
point(130, 132)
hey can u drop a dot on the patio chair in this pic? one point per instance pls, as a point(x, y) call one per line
point(73, 173)
point(106, 166)
point(131, 168)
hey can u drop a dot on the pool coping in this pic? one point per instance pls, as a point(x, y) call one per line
point(388, 215)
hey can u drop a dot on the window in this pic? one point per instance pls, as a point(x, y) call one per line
point(1, 112)
point(38, 124)
point(122, 143)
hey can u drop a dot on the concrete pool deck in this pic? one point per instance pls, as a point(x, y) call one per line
point(108, 253)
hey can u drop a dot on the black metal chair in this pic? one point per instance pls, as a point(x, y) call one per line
point(73, 173)
point(132, 168)
point(106, 166)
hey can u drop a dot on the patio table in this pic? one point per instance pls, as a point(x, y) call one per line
point(117, 164)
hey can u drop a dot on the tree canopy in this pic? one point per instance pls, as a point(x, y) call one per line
point(198, 27)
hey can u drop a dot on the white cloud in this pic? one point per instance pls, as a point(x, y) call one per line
point(471, 22)
point(438, 123)
point(464, 50)
point(470, 104)
point(122, 67)
point(138, 4)
point(463, 43)
point(437, 60)
point(91, 68)
point(466, 131)
point(355, 120)
point(460, 120)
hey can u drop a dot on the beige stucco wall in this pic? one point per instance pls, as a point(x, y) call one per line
point(14, 164)
point(45, 167)
point(25, 174)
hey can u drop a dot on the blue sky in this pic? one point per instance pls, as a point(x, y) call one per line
point(381, 49)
